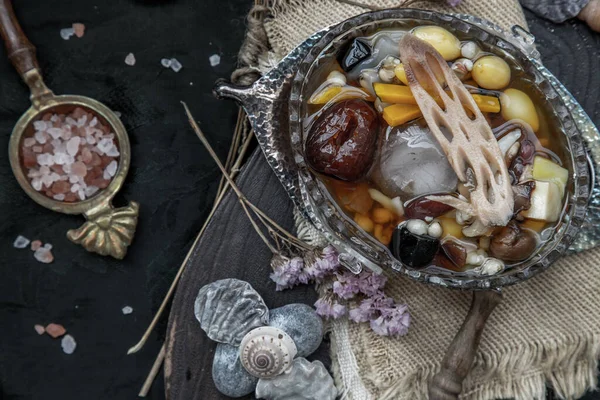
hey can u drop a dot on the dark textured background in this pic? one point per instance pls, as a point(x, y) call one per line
point(171, 176)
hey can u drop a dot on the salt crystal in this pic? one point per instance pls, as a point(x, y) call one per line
point(39, 125)
point(37, 149)
point(33, 173)
point(45, 159)
point(48, 246)
point(44, 170)
point(68, 344)
point(94, 122)
point(21, 242)
point(39, 329)
point(214, 60)
point(81, 121)
point(73, 145)
point(86, 155)
point(47, 180)
point(79, 169)
point(54, 176)
point(55, 330)
point(59, 197)
point(104, 145)
point(127, 310)
point(91, 190)
point(73, 178)
point(63, 178)
point(176, 65)
point(40, 137)
point(55, 132)
point(165, 62)
point(111, 168)
point(81, 194)
point(118, 114)
point(36, 183)
point(130, 59)
point(61, 159)
point(55, 118)
point(43, 255)
point(66, 33)
point(67, 168)
point(79, 29)
point(70, 121)
point(75, 187)
point(90, 139)
point(36, 244)
point(191, 83)
point(28, 142)
point(113, 152)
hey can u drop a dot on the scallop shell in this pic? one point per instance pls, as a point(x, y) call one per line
point(267, 352)
point(305, 381)
point(228, 309)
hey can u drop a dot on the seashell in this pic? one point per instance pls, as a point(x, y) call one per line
point(302, 323)
point(108, 232)
point(267, 352)
point(228, 309)
point(229, 376)
point(305, 381)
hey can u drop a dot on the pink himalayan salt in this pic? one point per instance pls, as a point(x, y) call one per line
point(28, 142)
point(37, 149)
point(79, 169)
point(79, 29)
point(39, 329)
point(36, 244)
point(55, 330)
point(43, 255)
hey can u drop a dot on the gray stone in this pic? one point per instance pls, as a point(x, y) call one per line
point(229, 376)
point(302, 323)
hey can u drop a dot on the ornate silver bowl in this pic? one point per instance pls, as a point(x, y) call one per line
point(275, 106)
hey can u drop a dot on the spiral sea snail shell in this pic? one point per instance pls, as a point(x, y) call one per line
point(266, 352)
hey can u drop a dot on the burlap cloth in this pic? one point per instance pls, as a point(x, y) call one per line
point(546, 331)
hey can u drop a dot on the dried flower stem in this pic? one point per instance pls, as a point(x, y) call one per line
point(153, 372)
point(376, 8)
point(137, 347)
point(235, 143)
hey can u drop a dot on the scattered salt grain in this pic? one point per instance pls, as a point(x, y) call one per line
point(73, 145)
point(43, 255)
point(39, 329)
point(68, 344)
point(21, 242)
point(55, 330)
point(118, 114)
point(165, 62)
point(191, 83)
point(215, 60)
point(66, 33)
point(111, 168)
point(176, 65)
point(79, 29)
point(130, 59)
point(48, 246)
point(36, 244)
point(127, 310)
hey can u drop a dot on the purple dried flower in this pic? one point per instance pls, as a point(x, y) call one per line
point(346, 285)
point(364, 312)
point(370, 284)
point(319, 266)
point(393, 321)
point(330, 309)
point(286, 272)
point(453, 3)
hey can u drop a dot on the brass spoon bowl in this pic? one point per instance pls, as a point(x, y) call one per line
point(107, 231)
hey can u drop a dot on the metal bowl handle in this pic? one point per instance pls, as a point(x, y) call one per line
point(447, 384)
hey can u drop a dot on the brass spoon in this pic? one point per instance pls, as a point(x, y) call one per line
point(107, 231)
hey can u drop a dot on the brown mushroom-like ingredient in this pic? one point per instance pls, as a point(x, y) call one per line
point(422, 207)
point(522, 196)
point(342, 141)
point(513, 243)
point(455, 253)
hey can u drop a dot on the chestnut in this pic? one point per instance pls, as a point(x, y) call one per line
point(513, 243)
point(416, 251)
point(422, 207)
point(342, 141)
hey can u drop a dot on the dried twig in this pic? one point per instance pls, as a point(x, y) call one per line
point(153, 372)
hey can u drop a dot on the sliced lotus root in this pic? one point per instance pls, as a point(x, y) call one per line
point(463, 133)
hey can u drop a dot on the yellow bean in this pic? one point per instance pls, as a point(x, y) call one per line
point(442, 40)
point(364, 222)
point(491, 72)
point(518, 105)
point(382, 216)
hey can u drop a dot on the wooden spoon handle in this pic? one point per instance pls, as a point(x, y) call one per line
point(447, 384)
point(20, 50)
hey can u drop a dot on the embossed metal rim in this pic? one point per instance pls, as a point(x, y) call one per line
point(331, 221)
